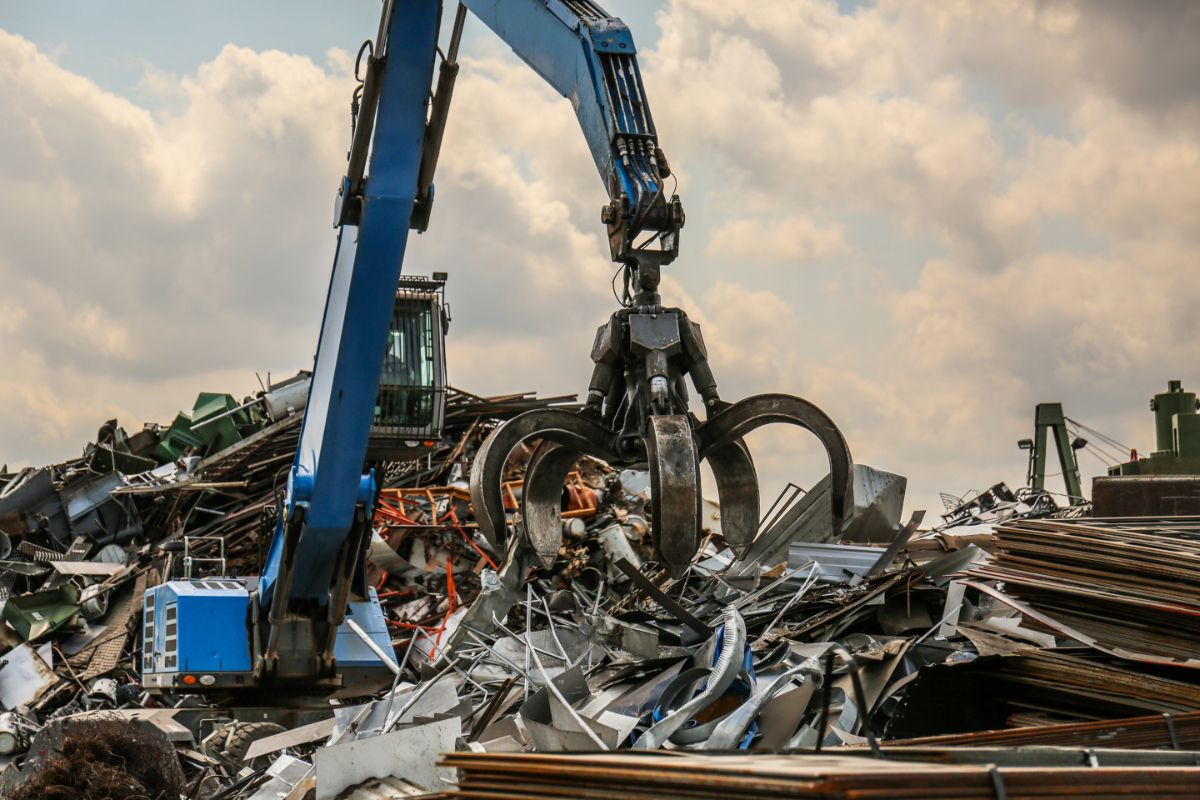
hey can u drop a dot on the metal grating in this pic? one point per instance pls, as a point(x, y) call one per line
point(78, 550)
point(39, 554)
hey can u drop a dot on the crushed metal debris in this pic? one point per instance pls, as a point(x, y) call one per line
point(1012, 622)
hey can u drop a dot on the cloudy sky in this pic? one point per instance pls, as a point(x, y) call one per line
point(924, 216)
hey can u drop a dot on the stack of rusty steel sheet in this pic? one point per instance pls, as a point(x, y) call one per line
point(649, 777)
point(1155, 731)
point(1034, 687)
point(1130, 585)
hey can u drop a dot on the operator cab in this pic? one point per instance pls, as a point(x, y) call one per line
point(411, 406)
point(195, 626)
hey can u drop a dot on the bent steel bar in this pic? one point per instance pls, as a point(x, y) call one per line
point(741, 418)
point(541, 500)
point(737, 489)
point(567, 428)
point(675, 487)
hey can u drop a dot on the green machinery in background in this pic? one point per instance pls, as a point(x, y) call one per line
point(216, 422)
point(1167, 483)
point(1177, 436)
point(1049, 421)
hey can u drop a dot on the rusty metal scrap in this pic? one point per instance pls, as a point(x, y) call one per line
point(1130, 583)
point(1156, 731)
point(706, 776)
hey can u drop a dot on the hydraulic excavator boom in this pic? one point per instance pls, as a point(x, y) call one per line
point(311, 619)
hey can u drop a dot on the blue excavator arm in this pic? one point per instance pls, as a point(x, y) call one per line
point(586, 56)
point(589, 58)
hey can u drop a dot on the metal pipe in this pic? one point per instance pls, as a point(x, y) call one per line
point(225, 414)
point(528, 626)
point(396, 681)
point(388, 661)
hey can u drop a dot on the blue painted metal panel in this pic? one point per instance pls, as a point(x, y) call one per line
point(349, 649)
point(612, 35)
point(197, 627)
point(541, 35)
point(592, 62)
point(213, 633)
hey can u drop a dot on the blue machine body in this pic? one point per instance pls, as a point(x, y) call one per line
point(197, 628)
point(590, 59)
point(195, 636)
point(326, 482)
point(289, 624)
point(351, 652)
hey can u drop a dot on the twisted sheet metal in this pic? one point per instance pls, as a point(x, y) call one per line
point(721, 676)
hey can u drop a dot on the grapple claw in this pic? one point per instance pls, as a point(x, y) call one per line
point(739, 419)
point(576, 432)
point(542, 498)
point(737, 489)
point(675, 486)
point(637, 413)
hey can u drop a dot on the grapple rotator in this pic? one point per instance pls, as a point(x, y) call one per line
point(637, 416)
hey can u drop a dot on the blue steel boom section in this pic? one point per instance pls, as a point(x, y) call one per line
point(311, 619)
point(316, 554)
point(590, 59)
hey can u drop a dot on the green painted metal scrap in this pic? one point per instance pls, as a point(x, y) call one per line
point(35, 615)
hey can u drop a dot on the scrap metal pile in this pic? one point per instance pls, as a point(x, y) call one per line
point(890, 649)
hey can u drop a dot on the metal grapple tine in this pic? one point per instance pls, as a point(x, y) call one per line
point(737, 489)
point(542, 498)
point(549, 424)
point(743, 417)
point(675, 489)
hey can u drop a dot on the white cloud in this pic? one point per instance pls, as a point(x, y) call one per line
point(1054, 54)
point(797, 110)
point(993, 205)
point(153, 255)
point(792, 240)
point(779, 141)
